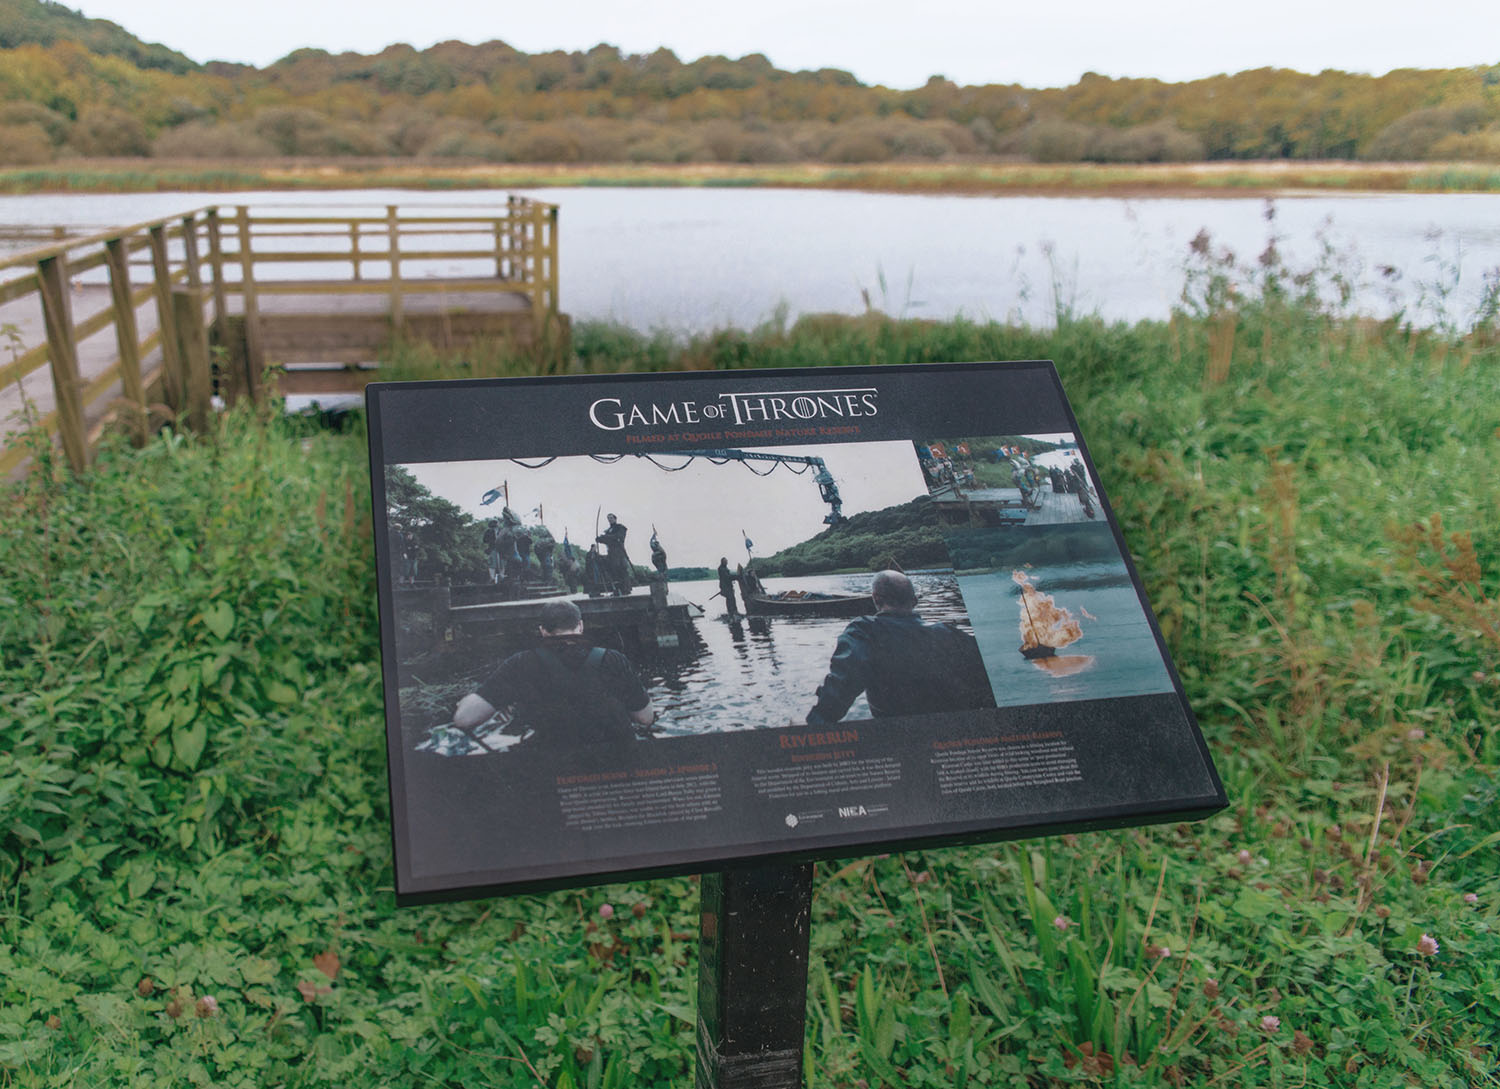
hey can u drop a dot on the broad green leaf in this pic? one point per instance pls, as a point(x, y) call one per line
point(188, 742)
point(885, 1032)
point(157, 719)
point(219, 618)
point(178, 682)
point(141, 615)
point(142, 877)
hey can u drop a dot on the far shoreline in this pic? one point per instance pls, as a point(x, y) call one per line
point(1256, 179)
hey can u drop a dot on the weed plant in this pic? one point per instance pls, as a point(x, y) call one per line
point(193, 814)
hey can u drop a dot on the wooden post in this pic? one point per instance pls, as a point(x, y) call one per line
point(515, 232)
point(255, 359)
point(190, 251)
point(551, 220)
point(354, 246)
point(192, 349)
point(62, 350)
point(171, 362)
point(752, 977)
point(127, 335)
point(543, 265)
point(499, 250)
point(538, 268)
point(393, 231)
point(216, 266)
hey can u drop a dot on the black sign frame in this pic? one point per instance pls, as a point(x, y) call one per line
point(501, 824)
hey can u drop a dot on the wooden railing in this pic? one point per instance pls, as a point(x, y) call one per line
point(168, 362)
point(522, 244)
point(199, 265)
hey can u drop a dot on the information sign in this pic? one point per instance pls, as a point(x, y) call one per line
point(643, 624)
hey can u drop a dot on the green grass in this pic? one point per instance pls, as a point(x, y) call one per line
point(194, 798)
point(964, 176)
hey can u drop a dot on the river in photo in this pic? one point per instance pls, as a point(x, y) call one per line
point(1117, 655)
point(745, 673)
point(697, 259)
point(765, 671)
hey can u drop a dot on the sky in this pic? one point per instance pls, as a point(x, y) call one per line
point(881, 41)
point(699, 512)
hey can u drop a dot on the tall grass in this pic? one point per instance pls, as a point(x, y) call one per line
point(194, 799)
point(971, 176)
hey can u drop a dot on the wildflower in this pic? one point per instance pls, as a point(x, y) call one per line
point(1382, 912)
point(54, 1022)
point(1158, 952)
point(921, 878)
point(207, 1006)
point(1416, 733)
point(174, 1008)
point(1270, 1024)
point(145, 987)
point(1471, 898)
point(1211, 988)
point(606, 911)
point(1243, 857)
point(1061, 923)
point(1301, 1042)
point(638, 909)
point(1427, 945)
point(1335, 832)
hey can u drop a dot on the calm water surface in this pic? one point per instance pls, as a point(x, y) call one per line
point(744, 674)
point(1117, 655)
point(698, 259)
point(764, 671)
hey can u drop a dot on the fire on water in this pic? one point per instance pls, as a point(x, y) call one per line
point(1044, 623)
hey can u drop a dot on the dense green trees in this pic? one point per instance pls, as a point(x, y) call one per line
point(489, 102)
point(869, 541)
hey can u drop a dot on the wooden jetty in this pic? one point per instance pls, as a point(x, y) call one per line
point(139, 325)
point(1005, 507)
point(649, 620)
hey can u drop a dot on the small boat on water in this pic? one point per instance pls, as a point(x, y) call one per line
point(808, 603)
point(1038, 650)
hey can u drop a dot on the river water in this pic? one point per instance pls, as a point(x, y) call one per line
point(749, 673)
point(744, 673)
point(699, 259)
point(760, 672)
point(1116, 656)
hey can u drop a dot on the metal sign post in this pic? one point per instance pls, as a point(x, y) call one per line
point(752, 977)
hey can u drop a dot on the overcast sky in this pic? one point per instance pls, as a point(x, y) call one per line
point(880, 41)
point(698, 512)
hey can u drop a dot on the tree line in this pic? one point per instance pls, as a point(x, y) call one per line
point(905, 536)
point(71, 86)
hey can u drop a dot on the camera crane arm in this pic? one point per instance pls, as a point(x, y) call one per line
point(827, 487)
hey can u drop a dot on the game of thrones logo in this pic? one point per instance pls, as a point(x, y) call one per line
point(737, 409)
